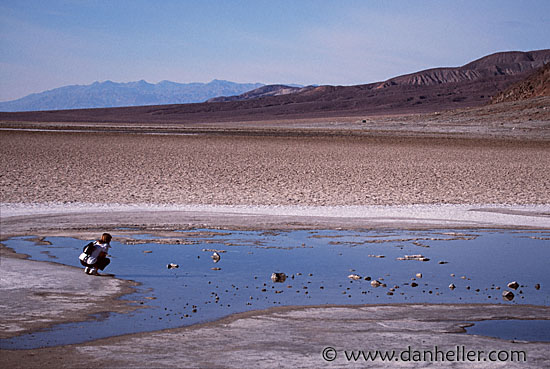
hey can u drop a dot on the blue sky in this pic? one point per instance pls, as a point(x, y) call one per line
point(48, 44)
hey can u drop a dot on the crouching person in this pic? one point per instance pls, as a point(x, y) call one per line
point(94, 255)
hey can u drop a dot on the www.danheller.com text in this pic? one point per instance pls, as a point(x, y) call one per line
point(459, 353)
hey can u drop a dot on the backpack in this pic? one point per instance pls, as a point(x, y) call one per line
point(89, 248)
point(86, 255)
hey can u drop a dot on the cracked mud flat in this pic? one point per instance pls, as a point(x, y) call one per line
point(212, 169)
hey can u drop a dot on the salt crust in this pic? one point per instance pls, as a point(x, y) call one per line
point(498, 215)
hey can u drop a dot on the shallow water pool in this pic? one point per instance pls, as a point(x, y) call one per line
point(317, 264)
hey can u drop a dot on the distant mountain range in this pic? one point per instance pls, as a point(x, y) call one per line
point(112, 94)
point(504, 64)
point(430, 90)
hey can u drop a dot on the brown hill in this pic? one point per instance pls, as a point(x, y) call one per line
point(264, 91)
point(499, 64)
point(427, 91)
point(536, 85)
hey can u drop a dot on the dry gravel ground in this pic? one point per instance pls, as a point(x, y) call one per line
point(270, 170)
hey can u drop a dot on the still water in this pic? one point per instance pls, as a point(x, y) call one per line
point(317, 264)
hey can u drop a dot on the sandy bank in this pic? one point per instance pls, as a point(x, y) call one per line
point(36, 295)
point(296, 337)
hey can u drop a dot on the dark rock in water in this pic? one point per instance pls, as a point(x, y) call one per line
point(172, 266)
point(414, 284)
point(513, 285)
point(354, 276)
point(537, 286)
point(443, 262)
point(278, 277)
point(507, 295)
point(367, 278)
point(452, 286)
point(375, 283)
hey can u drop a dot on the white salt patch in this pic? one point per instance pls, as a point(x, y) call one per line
point(440, 214)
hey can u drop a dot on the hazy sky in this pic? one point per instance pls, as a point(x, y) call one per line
point(46, 44)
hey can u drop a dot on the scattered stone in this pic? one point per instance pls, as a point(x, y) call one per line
point(216, 268)
point(463, 277)
point(147, 251)
point(389, 293)
point(414, 284)
point(354, 277)
point(377, 256)
point(452, 274)
point(414, 257)
point(172, 266)
point(367, 278)
point(418, 275)
point(507, 295)
point(375, 283)
point(452, 286)
point(278, 277)
point(513, 285)
point(443, 262)
point(214, 250)
point(537, 286)
point(215, 257)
